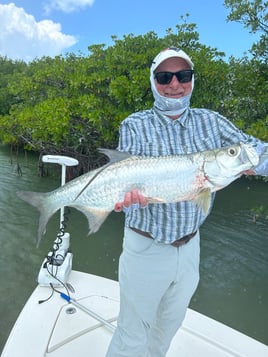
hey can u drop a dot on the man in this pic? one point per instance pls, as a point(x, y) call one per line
point(159, 265)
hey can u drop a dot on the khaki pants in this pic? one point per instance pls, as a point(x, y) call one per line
point(157, 282)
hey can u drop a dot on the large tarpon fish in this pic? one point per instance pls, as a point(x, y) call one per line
point(161, 179)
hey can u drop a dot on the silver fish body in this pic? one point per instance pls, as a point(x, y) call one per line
point(161, 179)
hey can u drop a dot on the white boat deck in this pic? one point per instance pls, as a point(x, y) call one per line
point(59, 329)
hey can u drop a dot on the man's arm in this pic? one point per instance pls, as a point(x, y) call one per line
point(262, 167)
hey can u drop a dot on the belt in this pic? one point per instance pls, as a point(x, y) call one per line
point(176, 243)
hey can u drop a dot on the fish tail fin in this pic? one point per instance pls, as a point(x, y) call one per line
point(39, 200)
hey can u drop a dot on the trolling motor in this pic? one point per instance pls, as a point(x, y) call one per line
point(57, 265)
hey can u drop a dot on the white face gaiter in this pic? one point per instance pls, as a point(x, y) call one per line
point(170, 106)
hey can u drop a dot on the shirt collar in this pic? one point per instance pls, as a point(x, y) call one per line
point(165, 120)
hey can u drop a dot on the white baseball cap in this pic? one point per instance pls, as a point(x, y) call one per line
point(168, 53)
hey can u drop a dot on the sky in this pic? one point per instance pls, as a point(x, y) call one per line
point(31, 29)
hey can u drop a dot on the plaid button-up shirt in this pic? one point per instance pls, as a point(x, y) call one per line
point(149, 133)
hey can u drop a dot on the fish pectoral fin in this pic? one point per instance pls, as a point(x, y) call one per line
point(203, 200)
point(95, 217)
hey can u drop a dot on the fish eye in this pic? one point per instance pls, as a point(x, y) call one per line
point(232, 151)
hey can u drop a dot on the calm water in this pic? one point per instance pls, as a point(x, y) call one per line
point(234, 250)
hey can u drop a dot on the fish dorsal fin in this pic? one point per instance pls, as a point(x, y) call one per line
point(114, 155)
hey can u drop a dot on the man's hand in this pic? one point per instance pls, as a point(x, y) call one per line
point(262, 167)
point(132, 200)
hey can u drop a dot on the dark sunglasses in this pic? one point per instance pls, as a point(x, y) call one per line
point(182, 76)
